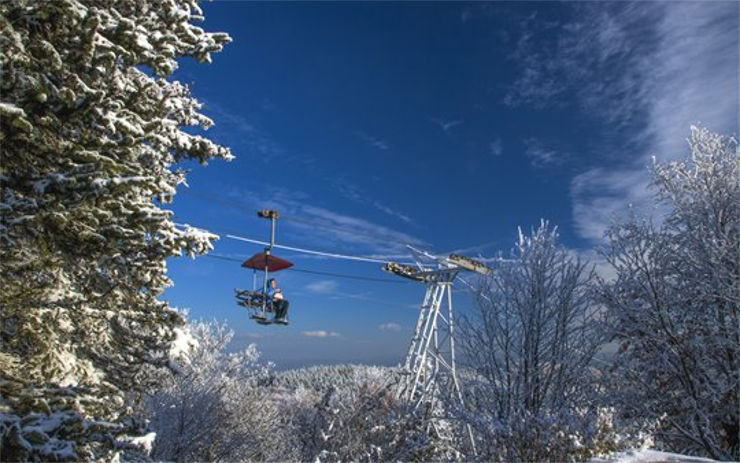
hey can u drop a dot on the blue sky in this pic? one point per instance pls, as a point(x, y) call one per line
point(443, 125)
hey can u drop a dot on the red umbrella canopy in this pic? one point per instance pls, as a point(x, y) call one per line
point(261, 260)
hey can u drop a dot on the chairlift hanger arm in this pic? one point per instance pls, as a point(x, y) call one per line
point(268, 214)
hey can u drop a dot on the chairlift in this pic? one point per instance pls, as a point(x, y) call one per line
point(255, 300)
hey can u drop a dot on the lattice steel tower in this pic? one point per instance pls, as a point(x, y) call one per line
point(429, 370)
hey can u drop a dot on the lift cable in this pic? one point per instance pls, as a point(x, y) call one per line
point(313, 223)
point(300, 250)
point(309, 251)
point(314, 272)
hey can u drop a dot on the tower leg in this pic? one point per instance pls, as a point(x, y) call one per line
point(430, 373)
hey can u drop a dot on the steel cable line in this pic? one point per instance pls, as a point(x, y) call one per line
point(313, 223)
point(296, 249)
point(307, 251)
point(471, 288)
point(338, 275)
point(314, 272)
point(310, 251)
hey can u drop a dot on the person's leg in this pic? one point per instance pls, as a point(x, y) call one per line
point(279, 309)
point(284, 309)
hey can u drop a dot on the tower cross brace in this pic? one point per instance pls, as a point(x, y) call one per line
point(429, 371)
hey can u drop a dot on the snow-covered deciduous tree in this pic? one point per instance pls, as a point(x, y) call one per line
point(229, 407)
point(358, 418)
point(675, 303)
point(90, 128)
point(216, 408)
point(530, 346)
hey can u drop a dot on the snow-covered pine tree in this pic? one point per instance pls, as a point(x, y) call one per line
point(90, 130)
point(675, 302)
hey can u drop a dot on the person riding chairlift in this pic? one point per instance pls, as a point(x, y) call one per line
point(275, 296)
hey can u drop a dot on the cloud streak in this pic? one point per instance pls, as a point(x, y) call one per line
point(252, 140)
point(496, 147)
point(541, 156)
point(322, 286)
point(446, 126)
point(373, 142)
point(647, 70)
point(319, 225)
point(390, 326)
point(353, 193)
point(320, 334)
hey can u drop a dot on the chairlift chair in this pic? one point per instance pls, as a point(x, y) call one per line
point(255, 300)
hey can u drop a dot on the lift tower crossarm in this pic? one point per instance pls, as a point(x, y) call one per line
point(467, 263)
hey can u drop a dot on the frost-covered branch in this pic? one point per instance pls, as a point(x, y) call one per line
point(91, 127)
point(675, 305)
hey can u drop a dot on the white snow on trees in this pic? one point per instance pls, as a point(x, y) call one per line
point(229, 407)
point(91, 128)
point(183, 344)
point(211, 409)
point(674, 307)
point(650, 456)
point(533, 386)
point(94, 366)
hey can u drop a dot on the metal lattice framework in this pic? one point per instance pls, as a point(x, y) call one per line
point(429, 370)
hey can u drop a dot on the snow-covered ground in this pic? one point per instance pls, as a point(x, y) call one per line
point(651, 456)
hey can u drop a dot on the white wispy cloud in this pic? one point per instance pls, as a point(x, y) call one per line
point(541, 156)
point(319, 225)
point(322, 286)
point(390, 326)
point(353, 193)
point(472, 249)
point(252, 140)
point(372, 141)
point(696, 78)
point(392, 212)
point(594, 57)
point(320, 334)
point(496, 147)
point(600, 197)
point(354, 230)
point(648, 70)
point(446, 126)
